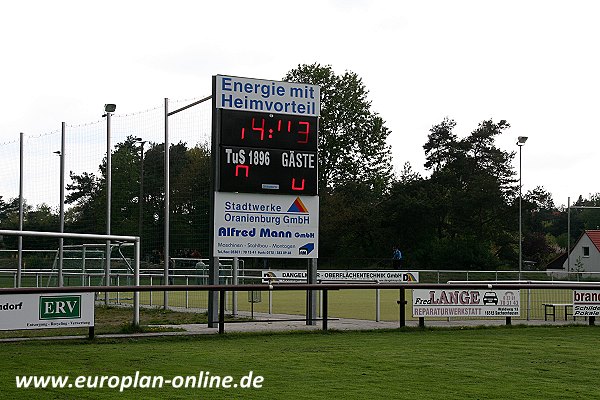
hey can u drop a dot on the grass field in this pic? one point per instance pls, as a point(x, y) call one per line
point(488, 363)
point(350, 303)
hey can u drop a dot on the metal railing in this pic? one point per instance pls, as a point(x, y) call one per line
point(88, 237)
point(377, 307)
point(324, 288)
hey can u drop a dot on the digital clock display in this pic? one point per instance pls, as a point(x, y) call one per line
point(268, 130)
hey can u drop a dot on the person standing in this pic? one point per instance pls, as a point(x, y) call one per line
point(397, 258)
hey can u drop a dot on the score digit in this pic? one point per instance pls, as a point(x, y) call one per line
point(305, 132)
point(260, 128)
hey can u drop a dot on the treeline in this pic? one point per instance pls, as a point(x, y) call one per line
point(462, 215)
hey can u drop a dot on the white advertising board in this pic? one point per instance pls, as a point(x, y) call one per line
point(466, 303)
point(37, 311)
point(259, 225)
point(586, 303)
point(249, 94)
point(299, 276)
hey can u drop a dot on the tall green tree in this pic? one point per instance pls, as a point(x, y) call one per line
point(190, 182)
point(469, 199)
point(352, 137)
point(355, 168)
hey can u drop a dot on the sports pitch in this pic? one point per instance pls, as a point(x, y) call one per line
point(486, 363)
point(349, 303)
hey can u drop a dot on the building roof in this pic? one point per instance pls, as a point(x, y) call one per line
point(594, 236)
point(558, 262)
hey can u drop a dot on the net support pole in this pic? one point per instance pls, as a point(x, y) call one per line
point(136, 282)
point(108, 207)
point(61, 206)
point(20, 239)
point(167, 204)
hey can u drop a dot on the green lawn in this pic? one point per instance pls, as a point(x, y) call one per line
point(489, 363)
point(348, 303)
point(118, 320)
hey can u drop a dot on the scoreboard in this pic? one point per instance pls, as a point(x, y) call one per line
point(265, 158)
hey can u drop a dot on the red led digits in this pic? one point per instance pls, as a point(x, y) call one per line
point(243, 167)
point(294, 187)
point(260, 128)
point(305, 133)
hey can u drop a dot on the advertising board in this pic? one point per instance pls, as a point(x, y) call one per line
point(299, 276)
point(259, 225)
point(37, 311)
point(465, 303)
point(586, 303)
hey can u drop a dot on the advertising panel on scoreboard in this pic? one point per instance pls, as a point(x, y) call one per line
point(236, 93)
point(259, 225)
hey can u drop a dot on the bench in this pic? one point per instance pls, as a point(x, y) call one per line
point(550, 309)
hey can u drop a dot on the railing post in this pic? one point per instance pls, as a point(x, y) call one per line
point(402, 304)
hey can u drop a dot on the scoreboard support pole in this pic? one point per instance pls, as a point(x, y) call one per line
point(311, 295)
point(213, 295)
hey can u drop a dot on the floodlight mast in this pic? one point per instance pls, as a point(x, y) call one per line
point(108, 109)
point(520, 142)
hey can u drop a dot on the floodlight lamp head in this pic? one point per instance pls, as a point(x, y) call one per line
point(521, 140)
point(110, 108)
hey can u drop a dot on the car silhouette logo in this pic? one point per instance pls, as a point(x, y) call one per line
point(490, 298)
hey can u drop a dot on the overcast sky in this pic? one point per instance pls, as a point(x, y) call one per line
point(533, 63)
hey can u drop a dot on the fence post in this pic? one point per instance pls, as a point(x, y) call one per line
point(187, 292)
point(83, 265)
point(324, 302)
point(151, 290)
point(377, 305)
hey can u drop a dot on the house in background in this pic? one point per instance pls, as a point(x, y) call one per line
point(584, 256)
